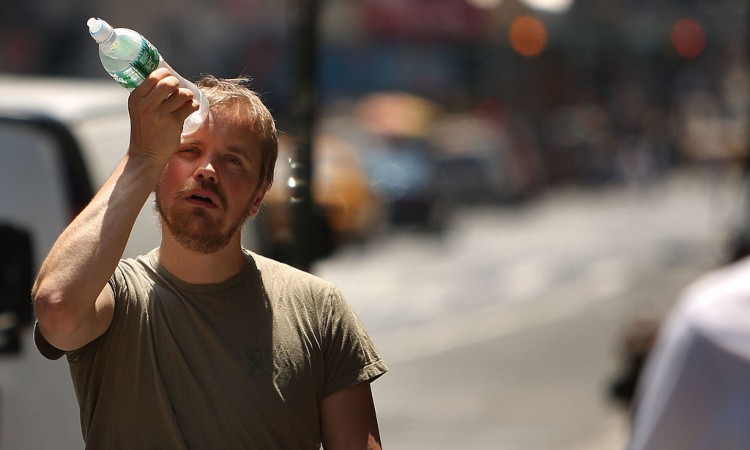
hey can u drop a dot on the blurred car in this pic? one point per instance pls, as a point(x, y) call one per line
point(479, 164)
point(403, 173)
point(346, 209)
point(59, 139)
point(400, 161)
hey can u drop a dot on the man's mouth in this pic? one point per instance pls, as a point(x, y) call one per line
point(202, 199)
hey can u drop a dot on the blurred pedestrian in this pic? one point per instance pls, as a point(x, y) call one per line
point(695, 390)
point(637, 341)
point(200, 343)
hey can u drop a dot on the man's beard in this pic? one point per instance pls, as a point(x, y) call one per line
point(195, 229)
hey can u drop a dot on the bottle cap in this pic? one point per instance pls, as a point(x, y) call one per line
point(99, 29)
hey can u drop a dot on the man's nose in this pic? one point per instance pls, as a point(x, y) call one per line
point(206, 172)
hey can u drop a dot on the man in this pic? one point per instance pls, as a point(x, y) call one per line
point(200, 344)
point(694, 393)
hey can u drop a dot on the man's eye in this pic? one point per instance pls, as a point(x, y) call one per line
point(234, 161)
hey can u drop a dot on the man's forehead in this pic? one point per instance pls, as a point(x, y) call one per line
point(238, 146)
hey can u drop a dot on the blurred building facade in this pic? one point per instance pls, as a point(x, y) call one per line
point(608, 90)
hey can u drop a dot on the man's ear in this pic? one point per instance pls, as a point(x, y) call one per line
point(255, 205)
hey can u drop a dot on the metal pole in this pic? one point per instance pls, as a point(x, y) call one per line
point(303, 107)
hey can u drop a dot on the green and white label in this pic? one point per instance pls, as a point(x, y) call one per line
point(146, 62)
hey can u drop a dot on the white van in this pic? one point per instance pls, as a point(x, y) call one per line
point(59, 141)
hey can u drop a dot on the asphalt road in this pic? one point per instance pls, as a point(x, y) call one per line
point(504, 333)
point(500, 334)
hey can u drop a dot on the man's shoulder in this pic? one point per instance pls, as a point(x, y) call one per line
point(272, 270)
point(146, 260)
point(137, 266)
point(719, 301)
point(730, 283)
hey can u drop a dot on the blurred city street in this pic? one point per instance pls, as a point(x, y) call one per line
point(501, 333)
point(503, 189)
point(504, 333)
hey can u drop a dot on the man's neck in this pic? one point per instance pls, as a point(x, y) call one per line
point(198, 268)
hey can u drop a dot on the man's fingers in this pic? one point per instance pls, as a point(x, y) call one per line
point(177, 99)
point(186, 109)
point(158, 109)
point(150, 82)
point(159, 86)
point(160, 92)
point(163, 90)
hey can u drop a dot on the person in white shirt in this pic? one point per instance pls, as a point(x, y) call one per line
point(695, 390)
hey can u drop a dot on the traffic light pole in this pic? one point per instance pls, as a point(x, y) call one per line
point(303, 107)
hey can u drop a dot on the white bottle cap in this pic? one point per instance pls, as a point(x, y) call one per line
point(99, 29)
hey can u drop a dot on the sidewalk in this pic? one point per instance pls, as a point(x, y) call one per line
point(613, 436)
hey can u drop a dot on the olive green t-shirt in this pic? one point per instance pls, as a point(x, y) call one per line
point(243, 364)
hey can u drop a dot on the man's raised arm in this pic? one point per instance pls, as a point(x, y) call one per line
point(72, 301)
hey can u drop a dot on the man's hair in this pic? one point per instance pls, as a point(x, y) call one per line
point(235, 97)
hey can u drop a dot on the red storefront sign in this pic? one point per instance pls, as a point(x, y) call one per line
point(424, 19)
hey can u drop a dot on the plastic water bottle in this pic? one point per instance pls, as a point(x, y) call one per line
point(129, 58)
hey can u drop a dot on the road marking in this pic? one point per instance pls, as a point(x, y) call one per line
point(449, 332)
point(524, 280)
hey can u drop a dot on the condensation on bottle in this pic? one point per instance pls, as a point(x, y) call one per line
point(129, 58)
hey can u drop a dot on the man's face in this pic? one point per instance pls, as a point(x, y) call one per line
point(210, 185)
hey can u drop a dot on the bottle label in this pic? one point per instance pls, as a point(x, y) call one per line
point(146, 62)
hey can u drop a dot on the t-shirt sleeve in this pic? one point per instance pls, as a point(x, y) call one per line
point(350, 355)
point(53, 353)
point(45, 348)
point(118, 285)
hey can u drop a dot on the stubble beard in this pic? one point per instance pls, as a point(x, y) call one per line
point(196, 230)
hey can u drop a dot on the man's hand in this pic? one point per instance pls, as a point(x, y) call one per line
point(158, 108)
